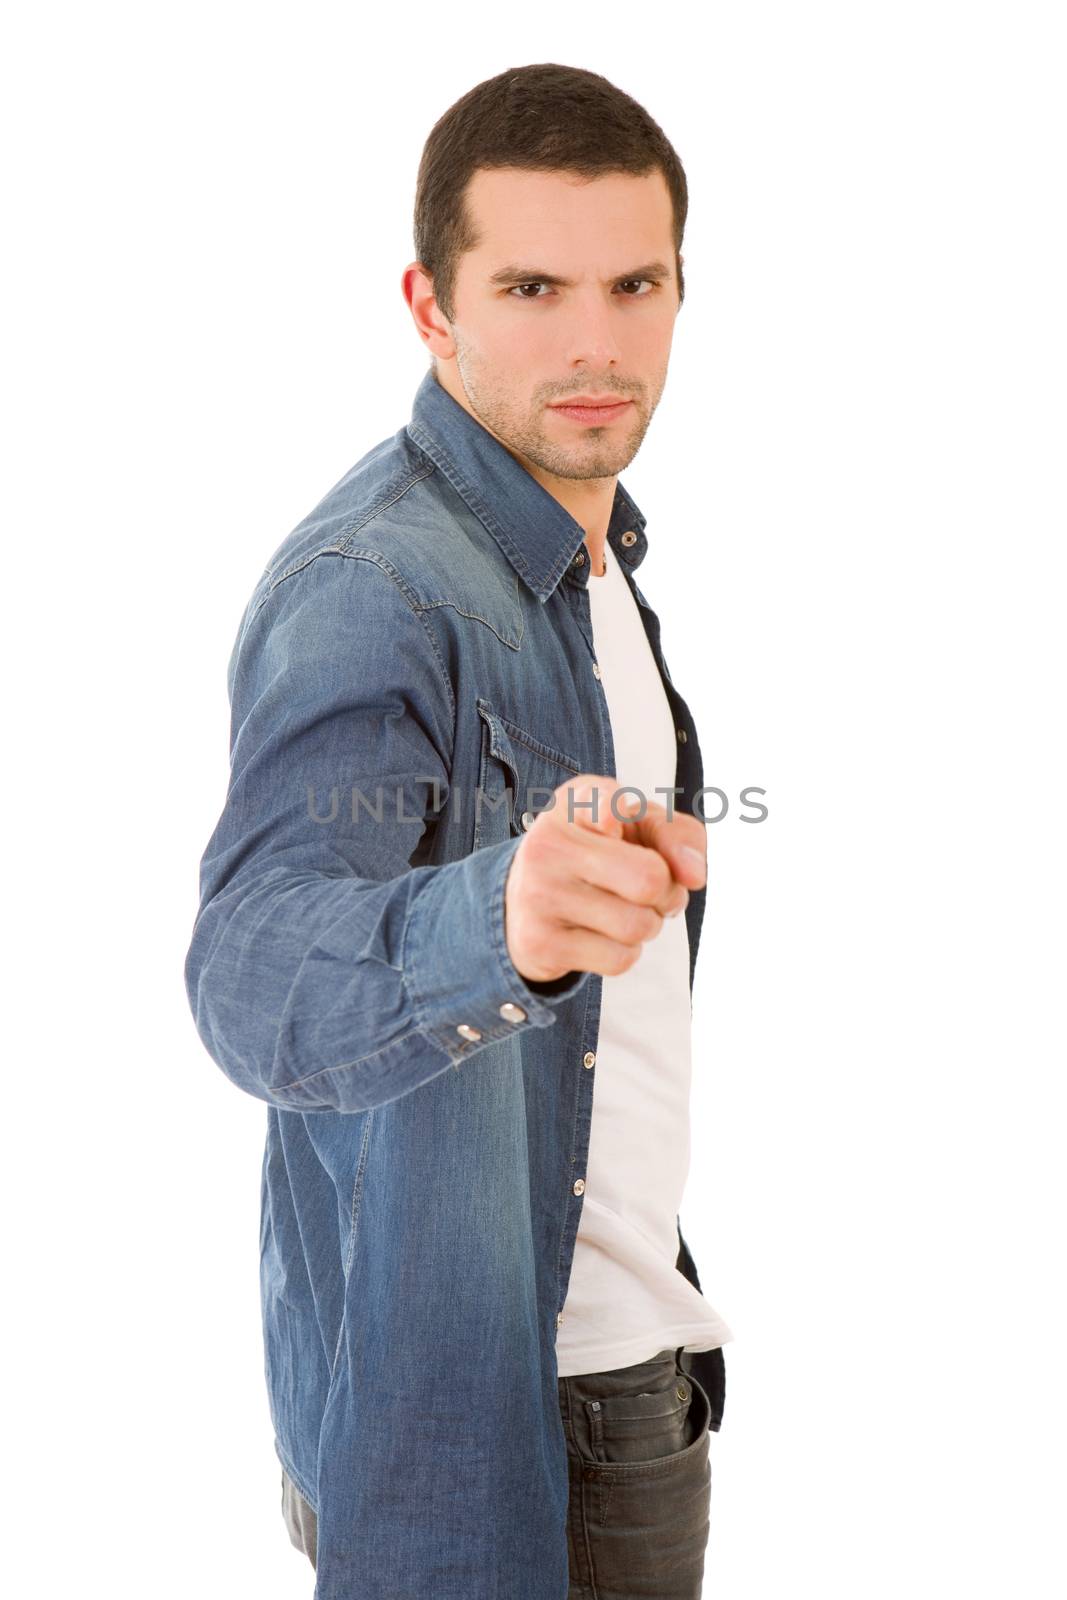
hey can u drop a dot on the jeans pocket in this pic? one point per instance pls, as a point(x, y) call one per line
point(647, 1426)
point(644, 1519)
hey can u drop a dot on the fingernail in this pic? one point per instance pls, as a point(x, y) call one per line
point(692, 855)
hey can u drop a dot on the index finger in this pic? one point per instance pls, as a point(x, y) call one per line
point(681, 839)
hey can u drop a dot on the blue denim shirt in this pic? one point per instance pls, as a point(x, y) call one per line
point(424, 632)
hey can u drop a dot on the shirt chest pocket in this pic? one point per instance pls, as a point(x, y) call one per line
point(518, 773)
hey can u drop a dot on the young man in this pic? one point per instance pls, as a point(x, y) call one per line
point(464, 997)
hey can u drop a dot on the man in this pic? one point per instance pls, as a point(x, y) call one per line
point(462, 991)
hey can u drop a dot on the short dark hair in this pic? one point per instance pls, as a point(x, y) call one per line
point(542, 118)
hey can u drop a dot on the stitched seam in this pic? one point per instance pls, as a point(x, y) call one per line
point(417, 610)
point(357, 521)
point(386, 566)
point(417, 1007)
point(522, 736)
point(476, 616)
point(536, 747)
point(485, 755)
point(295, 1476)
point(584, 1032)
point(353, 1222)
point(357, 1194)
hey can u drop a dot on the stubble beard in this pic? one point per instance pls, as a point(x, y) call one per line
point(595, 453)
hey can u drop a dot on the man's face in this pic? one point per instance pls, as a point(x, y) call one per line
point(523, 344)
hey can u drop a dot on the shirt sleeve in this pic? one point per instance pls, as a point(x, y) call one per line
point(325, 972)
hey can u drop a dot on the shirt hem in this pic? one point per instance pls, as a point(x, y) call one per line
point(296, 1477)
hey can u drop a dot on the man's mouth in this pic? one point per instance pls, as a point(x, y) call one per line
point(593, 414)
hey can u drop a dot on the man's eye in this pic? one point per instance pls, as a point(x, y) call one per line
point(539, 283)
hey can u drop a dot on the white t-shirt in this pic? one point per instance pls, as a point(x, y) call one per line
point(626, 1299)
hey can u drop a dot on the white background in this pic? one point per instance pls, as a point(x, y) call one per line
point(855, 493)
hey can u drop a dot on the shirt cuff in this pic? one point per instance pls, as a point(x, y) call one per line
point(464, 985)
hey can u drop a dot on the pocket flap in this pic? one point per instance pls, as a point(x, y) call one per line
point(533, 769)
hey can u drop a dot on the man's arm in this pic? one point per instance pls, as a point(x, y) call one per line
point(324, 972)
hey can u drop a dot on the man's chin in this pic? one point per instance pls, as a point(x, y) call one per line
point(580, 461)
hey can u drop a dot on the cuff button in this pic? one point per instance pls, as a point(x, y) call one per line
point(511, 1012)
point(465, 1029)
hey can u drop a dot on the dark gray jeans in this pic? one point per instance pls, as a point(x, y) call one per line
point(640, 1483)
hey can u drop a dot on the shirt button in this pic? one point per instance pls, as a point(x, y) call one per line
point(511, 1012)
point(468, 1032)
point(579, 558)
point(682, 736)
point(559, 1318)
point(681, 1391)
point(579, 1185)
point(527, 819)
point(629, 537)
point(596, 670)
point(588, 1059)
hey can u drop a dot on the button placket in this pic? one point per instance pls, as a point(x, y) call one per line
point(600, 740)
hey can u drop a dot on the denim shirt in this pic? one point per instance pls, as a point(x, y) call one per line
point(424, 632)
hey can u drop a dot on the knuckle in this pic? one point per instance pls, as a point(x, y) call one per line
point(655, 879)
point(629, 955)
point(642, 923)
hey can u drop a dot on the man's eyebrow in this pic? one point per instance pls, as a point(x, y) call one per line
point(513, 275)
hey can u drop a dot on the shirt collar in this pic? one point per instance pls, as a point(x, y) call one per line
point(542, 541)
